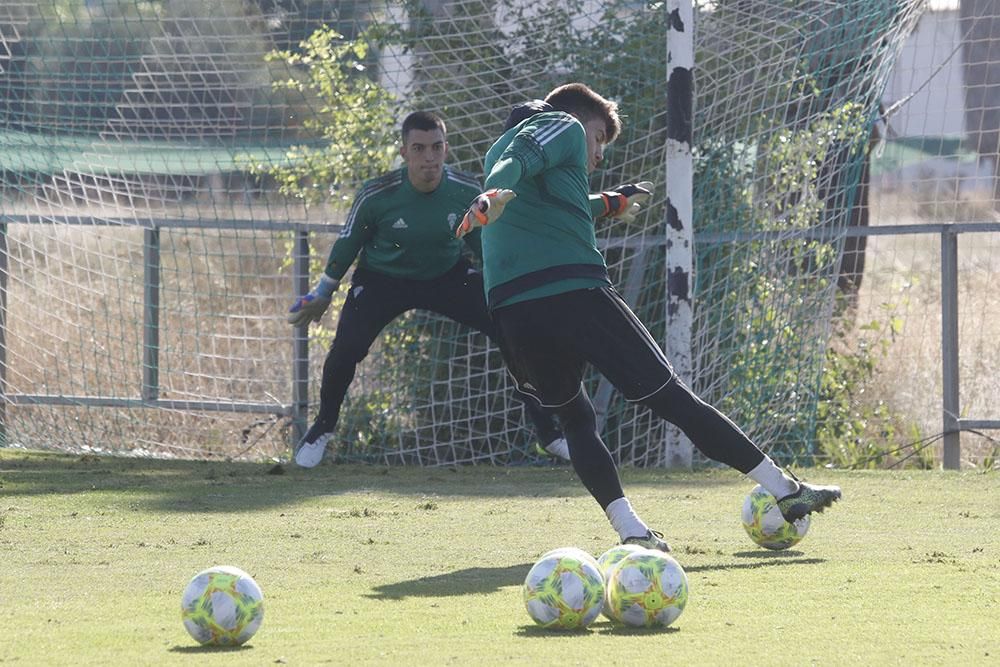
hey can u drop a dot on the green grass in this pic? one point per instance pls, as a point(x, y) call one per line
point(365, 565)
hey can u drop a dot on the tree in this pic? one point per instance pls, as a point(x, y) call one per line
point(352, 125)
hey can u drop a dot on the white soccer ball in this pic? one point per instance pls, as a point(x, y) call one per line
point(615, 554)
point(564, 590)
point(222, 606)
point(647, 589)
point(608, 560)
point(766, 526)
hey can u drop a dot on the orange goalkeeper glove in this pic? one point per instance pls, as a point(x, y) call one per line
point(624, 202)
point(485, 208)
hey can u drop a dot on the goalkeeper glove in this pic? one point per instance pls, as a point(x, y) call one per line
point(623, 203)
point(310, 307)
point(485, 208)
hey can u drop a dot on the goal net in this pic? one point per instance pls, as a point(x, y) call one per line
point(165, 165)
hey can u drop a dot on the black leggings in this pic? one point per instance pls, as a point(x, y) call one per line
point(713, 433)
point(375, 300)
point(709, 430)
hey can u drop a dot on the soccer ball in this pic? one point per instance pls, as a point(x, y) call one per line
point(564, 590)
point(614, 555)
point(647, 589)
point(608, 560)
point(764, 524)
point(222, 606)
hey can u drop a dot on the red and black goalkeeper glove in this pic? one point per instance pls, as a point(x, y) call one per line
point(624, 202)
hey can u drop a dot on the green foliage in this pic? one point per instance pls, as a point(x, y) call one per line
point(851, 424)
point(855, 428)
point(353, 120)
point(766, 295)
point(622, 55)
point(619, 53)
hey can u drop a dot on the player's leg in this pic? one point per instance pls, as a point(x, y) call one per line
point(534, 346)
point(720, 439)
point(372, 302)
point(459, 295)
point(619, 345)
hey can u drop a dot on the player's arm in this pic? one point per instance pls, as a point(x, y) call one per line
point(358, 229)
point(621, 203)
point(537, 145)
point(505, 174)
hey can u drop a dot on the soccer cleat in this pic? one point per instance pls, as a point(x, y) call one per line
point(808, 499)
point(557, 449)
point(312, 447)
point(651, 540)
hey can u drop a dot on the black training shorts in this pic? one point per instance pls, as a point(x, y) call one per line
point(548, 342)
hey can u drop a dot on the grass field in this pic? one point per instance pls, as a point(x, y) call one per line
point(369, 565)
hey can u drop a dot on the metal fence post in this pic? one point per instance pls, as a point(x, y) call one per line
point(300, 341)
point(150, 390)
point(950, 409)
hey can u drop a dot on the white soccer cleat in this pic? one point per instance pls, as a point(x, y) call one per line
point(558, 448)
point(309, 454)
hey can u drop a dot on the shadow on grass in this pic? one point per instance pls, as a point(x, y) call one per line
point(490, 579)
point(766, 559)
point(184, 486)
point(769, 554)
point(461, 582)
point(538, 632)
point(600, 627)
point(191, 650)
point(628, 631)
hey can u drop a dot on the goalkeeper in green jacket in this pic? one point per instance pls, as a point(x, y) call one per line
point(401, 229)
point(556, 310)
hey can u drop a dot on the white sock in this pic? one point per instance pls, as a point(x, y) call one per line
point(773, 479)
point(624, 519)
point(558, 447)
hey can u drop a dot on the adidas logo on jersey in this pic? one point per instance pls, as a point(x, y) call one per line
point(400, 224)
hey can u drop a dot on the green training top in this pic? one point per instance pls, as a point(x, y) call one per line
point(544, 243)
point(405, 233)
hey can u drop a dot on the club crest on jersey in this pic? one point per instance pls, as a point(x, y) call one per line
point(400, 224)
point(452, 219)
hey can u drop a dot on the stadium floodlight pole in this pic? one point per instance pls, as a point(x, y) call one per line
point(679, 207)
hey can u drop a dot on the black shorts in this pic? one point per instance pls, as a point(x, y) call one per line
point(376, 299)
point(548, 342)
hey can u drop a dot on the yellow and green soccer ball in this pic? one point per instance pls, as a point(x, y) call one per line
point(608, 560)
point(614, 555)
point(564, 590)
point(222, 606)
point(647, 589)
point(766, 526)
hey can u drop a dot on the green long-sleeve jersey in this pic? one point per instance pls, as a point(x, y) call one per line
point(544, 243)
point(402, 232)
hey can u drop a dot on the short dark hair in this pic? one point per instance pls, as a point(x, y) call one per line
point(585, 104)
point(422, 120)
